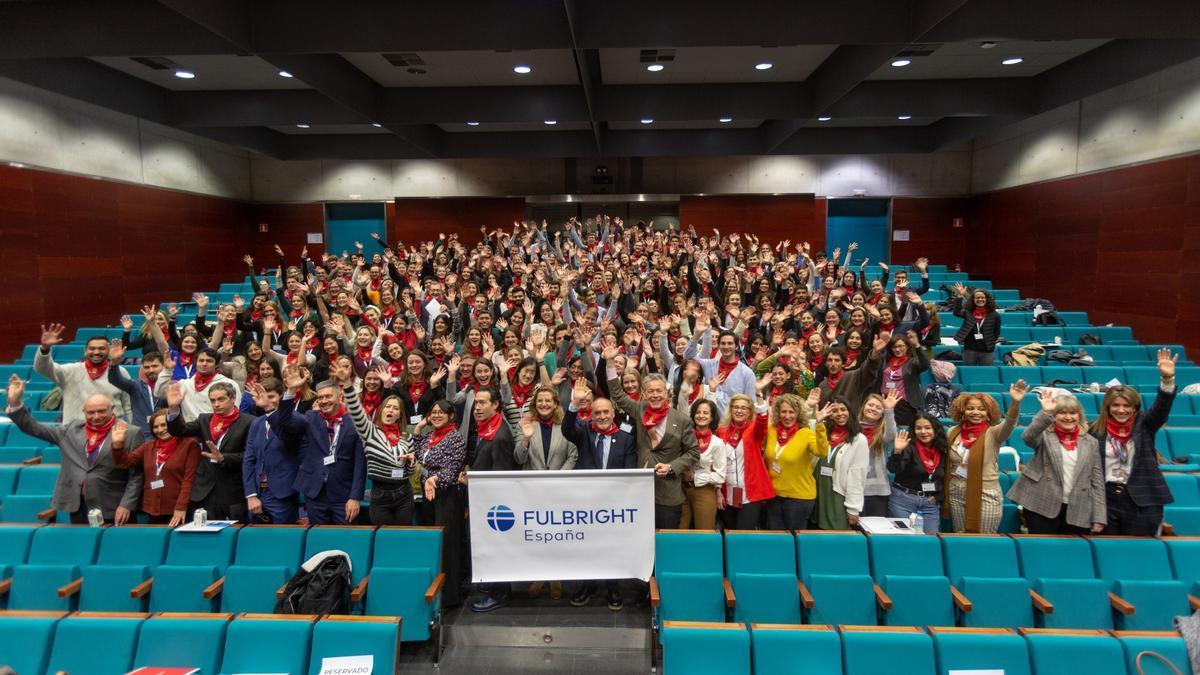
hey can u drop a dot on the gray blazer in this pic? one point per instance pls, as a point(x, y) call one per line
point(678, 446)
point(532, 455)
point(107, 486)
point(1039, 488)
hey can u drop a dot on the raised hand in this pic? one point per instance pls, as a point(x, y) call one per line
point(452, 365)
point(901, 441)
point(116, 350)
point(126, 322)
point(174, 394)
point(1046, 398)
point(16, 389)
point(168, 362)
point(342, 371)
point(891, 400)
point(879, 342)
point(717, 380)
point(213, 453)
point(238, 302)
point(119, 430)
point(52, 334)
point(922, 264)
point(1017, 390)
point(173, 310)
point(824, 412)
point(814, 399)
point(201, 300)
point(438, 376)
point(278, 250)
point(294, 378)
point(527, 427)
point(960, 289)
point(1166, 364)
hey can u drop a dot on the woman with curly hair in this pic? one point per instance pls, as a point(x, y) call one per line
point(918, 460)
point(791, 449)
point(972, 478)
point(980, 327)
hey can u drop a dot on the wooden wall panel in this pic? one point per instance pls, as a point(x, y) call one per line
point(930, 225)
point(288, 226)
point(416, 220)
point(773, 218)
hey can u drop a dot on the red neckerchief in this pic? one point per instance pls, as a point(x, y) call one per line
point(440, 435)
point(186, 360)
point(95, 371)
point(851, 356)
point(312, 343)
point(704, 437)
point(1068, 439)
point(653, 417)
point(292, 358)
point(868, 430)
point(374, 284)
point(97, 434)
point(887, 327)
point(164, 449)
point(833, 379)
point(635, 395)
point(969, 433)
point(521, 392)
point(477, 352)
point(732, 433)
point(784, 434)
point(725, 369)
point(392, 431)
point(815, 361)
point(333, 420)
point(875, 298)
point(1120, 433)
point(487, 429)
point(255, 314)
point(512, 374)
point(585, 414)
point(897, 362)
point(930, 457)
point(837, 436)
point(219, 424)
point(229, 330)
point(371, 401)
point(546, 422)
point(776, 391)
point(395, 369)
point(201, 380)
point(387, 311)
point(364, 354)
point(416, 389)
point(979, 313)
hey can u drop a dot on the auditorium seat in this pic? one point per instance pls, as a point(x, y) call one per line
point(1074, 318)
point(1168, 644)
point(113, 638)
point(26, 639)
point(981, 650)
point(1139, 571)
point(354, 541)
point(266, 557)
point(19, 454)
point(339, 636)
point(1070, 374)
point(909, 569)
point(128, 556)
point(1183, 443)
point(776, 649)
point(268, 643)
point(1094, 653)
point(698, 647)
point(895, 650)
point(406, 578)
point(1184, 553)
point(1046, 334)
point(31, 497)
point(1062, 571)
point(1031, 374)
point(761, 567)
point(1010, 319)
point(689, 580)
point(186, 582)
point(14, 548)
point(1183, 515)
point(182, 641)
point(49, 578)
point(985, 571)
point(836, 577)
point(1131, 354)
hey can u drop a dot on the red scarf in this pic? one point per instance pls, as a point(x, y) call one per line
point(186, 360)
point(833, 379)
point(521, 392)
point(332, 421)
point(256, 315)
point(897, 362)
point(725, 369)
point(635, 395)
point(979, 313)
point(219, 424)
point(392, 431)
point(487, 429)
point(164, 449)
point(969, 433)
point(371, 401)
point(546, 421)
point(1121, 433)
point(312, 343)
point(229, 329)
point(851, 356)
point(364, 354)
point(732, 433)
point(704, 436)
point(784, 434)
point(868, 430)
point(815, 361)
point(292, 358)
point(201, 380)
point(416, 389)
point(395, 369)
point(95, 371)
point(837, 436)
point(653, 417)
point(887, 327)
point(776, 391)
point(930, 457)
point(1068, 439)
point(585, 414)
point(440, 435)
point(610, 431)
point(97, 434)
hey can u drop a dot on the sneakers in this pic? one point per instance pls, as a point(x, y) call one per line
point(615, 602)
point(583, 595)
point(535, 589)
point(556, 590)
point(489, 603)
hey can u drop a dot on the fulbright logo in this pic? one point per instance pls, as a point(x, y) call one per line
point(501, 518)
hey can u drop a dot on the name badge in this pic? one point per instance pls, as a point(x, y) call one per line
point(414, 420)
point(156, 485)
point(960, 471)
point(626, 427)
point(827, 471)
point(979, 336)
point(397, 473)
point(330, 459)
point(928, 487)
point(212, 461)
point(779, 469)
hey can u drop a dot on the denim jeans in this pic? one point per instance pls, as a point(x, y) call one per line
point(392, 506)
point(786, 513)
point(903, 504)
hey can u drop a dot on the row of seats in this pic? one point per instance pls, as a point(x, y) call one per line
point(731, 649)
point(990, 581)
point(396, 571)
point(93, 644)
point(1102, 355)
point(977, 377)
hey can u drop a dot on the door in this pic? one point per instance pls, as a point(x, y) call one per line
point(356, 221)
point(863, 220)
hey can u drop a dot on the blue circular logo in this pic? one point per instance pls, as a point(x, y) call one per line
point(501, 518)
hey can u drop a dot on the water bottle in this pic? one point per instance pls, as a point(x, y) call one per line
point(95, 518)
point(912, 520)
point(919, 523)
point(200, 519)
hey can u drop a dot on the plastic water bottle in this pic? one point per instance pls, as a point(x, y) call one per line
point(95, 518)
point(919, 523)
point(200, 519)
point(912, 520)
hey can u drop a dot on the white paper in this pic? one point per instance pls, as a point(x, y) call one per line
point(950, 341)
point(880, 525)
point(211, 527)
point(348, 665)
point(900, 235)
point(316, 238)
point(997, 671)
point(1112, 383)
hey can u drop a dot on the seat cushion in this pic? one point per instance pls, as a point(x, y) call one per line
point(36, 587)
point(691, 596)
point(106, 588)
point(918, 601)
point(997, 603)
point(1157, 603)
point(1078, 603)
point(25, 642)
point(842, 599)
point(252, 589)
point(766, 598)
point(179, 588)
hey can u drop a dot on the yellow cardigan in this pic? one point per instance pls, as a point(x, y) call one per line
point(791, 467)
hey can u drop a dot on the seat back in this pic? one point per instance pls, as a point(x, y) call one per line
point(377, 636)
point(1184, 488)
point(64, 545)
point(1128, 559)
point(775, 649)
point(897, 651)
point(271, 546)
point(37, 480)
point(133, 545)
point(840, 553)
point(202, 549)
point(759, 553)
point(913, 556)
point(713, 648)
point(1066, 653)
point(25, 640)
point(112, 640)
point(976, 556)
point(1184, 554)
point(355, 541)
point(14, 544)
point(260, 645)
point(1183, 441)
point(1003, 650)
point(690, 551)
point(1054, 558)
point(408, 547)
point(1169, 645)
point(8, 480)
point(173, 642)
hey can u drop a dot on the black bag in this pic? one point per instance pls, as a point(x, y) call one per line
point(950, 355)
point(1089, 339)
point(939, 396)
point(1061, 355)
point(1048, 318)
point(1062, 384)
point(320, 586)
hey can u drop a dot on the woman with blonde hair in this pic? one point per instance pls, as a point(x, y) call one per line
point(877, 419)
point(747, 485)
point(790, 451)
point(972, 492)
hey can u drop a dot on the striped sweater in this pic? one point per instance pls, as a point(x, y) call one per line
point(382, 458)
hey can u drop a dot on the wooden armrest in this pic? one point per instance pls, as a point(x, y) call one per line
point(214, 589)
point(1194, 602)
point(5, 586)
point(730, 600)
point(71, 588)
point(655, 599)
point(279, 593)
point(1168, 530)
point(435, 587)
point(806, 598)
point(142, 589)
point(48, 514)
point(881, 598)
point(31, 461)
point(360, 590)
point(1120, 604)
point(1041, 604)
point(960, 600)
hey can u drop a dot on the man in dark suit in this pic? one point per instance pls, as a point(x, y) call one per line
point(602, 445)
point(268, 469)
point(494, 450)
point(333, 468)
point(222, 433)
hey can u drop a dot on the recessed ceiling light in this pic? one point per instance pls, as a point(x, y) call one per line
point(550, 122)
point(1012, 61)
point(904, 117)
point(647, 120)
point(824, 118)
point(988, 44)
point(301, 126)
point(655, 67)
point(900, 63)
point(475, 124)
point(377, 125)
point(185, 74)
point(725, 120)
point(765, 65)
point(284, 73)
point(522, 70)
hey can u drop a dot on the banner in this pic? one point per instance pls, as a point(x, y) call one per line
point(561, 525)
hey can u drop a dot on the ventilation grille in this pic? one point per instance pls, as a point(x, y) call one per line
point(657, 55)
point(155, 62)
point(921, 49)
point(405, 59)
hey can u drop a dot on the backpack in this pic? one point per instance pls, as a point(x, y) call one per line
point(939, 396)
point(1029, 355)
point(1089, 339)
point(320, 586)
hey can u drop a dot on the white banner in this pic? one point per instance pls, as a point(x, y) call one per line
point(561, 525)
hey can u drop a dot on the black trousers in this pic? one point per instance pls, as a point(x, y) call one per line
point(448, 513)
point(875, 506)
point(1039, 524)
point(1128, 519)
point(786, 513)
point(217, 508)
point(745, 518)
point(667, 517)
point(392, 505)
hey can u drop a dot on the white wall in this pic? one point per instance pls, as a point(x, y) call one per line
point(1150, 118)
point(46, 130)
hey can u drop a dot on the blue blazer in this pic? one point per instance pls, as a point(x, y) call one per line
point(623, 454)
point(267, 452)
point(141, 399)
point(307, 436)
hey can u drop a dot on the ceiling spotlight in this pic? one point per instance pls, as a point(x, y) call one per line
point(824, 118)
point(725, 120)
point(904, 117)
point(377, 125)
point(1012, 61)
point(522, 70)
point(475, 124)
point(550, 122)
point(987, 44)
point(284, 73)
point(301, 126)
point(765, 65)
point(185, 74)
point(647, 120)
point(655, 67)
point(900, 63)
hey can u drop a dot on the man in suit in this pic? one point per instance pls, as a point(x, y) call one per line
point(494, 450)
point(332, 469)
point(222, 434)
point(666, 440)
point(79, 381)
point(88, 478)
point(195, 388)
point(602, 445)
point(142, 400)
point(268, 469)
